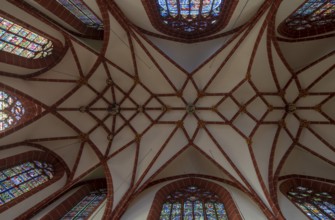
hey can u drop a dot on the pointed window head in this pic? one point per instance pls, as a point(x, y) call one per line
point(22, 42)
point(312, 18)
point(193, 202)
point(189, 18)
point(11, 110)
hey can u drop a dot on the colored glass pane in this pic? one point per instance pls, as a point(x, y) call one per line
point(190, 15)
point(221, 212)
point(314, 16)
point(176, 211)
point(316, 205)
point(17, 40)
point(193, 203)
point(82, 12)
point(11, 111)
point(20, 179)
point(86, 206)
point(188, 210)
point(166, 210)
point(198, 210)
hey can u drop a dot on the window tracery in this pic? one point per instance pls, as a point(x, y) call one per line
point(193, 202)
point(86, 206)
point(311, 18)
point(11, 110)
point(20, 179)
point(82, 12)
point(189, 18)
point(315, 204)
point(23, 42)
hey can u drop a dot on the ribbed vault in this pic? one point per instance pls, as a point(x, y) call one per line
point(124, 108)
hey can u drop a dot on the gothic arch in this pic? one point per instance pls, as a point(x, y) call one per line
point(223, 195)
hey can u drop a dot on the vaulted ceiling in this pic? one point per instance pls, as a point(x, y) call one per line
point(263, 104)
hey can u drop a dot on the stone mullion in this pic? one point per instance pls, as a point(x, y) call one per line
point(171, 209)
point(311, 14)
point(182, 209)
point(204, 209)
point(193, 203)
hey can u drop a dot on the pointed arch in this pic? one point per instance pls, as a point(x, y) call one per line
point(92, 192)
point(26, 46)
point(221, 198)
point(313, 196)
point(25, 174)
point(311, 18)
point(189, 19)
point(16, 110)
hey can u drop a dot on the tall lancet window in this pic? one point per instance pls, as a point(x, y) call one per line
point(82, 12)
point(85, 208)
point(20, 179)
point(317, 205)
point(193, 202)
point(23, 42)
point(311, 18)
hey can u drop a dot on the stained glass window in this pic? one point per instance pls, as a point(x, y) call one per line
point(86, 206)
point(11, 110)
point(22, 178)
point(82, 12)
point(190, 15)
point(316, 205)
point(193, 203)
point(20, 41)
point(313, 17)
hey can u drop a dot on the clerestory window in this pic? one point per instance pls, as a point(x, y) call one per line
point(23, 42)
point(313, 17)
point(20, 179)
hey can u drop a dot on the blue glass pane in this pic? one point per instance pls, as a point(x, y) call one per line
point(188, 210)
point(184, 16)
point(176, 212)
point(210, 211)
point(82, 12)
point(220, 211)
point(307, 212)
point(87, 205)
point(187, 7)
point(166, 210)
point(312, 15)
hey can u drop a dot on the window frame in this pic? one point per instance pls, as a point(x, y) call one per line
point(316, 184)
point(84, 31)
point(223, 195)
point(26, 157)
point(151, 8)
point(284, 30)
point(12, 59)
point(32, 108)
point(83, 189)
